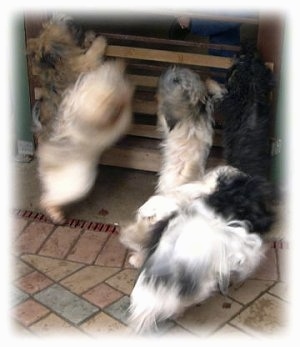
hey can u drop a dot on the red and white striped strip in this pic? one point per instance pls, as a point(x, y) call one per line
point(72, 222)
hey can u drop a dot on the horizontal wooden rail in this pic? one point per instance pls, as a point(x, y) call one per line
point(167, 42)
point(169, 57)
point(141, 158)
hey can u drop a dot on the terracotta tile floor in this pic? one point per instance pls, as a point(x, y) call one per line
point(70, 280)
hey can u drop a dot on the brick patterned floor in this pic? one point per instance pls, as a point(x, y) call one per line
point(73, 280)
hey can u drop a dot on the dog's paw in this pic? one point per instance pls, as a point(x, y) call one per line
point(98, 46)
point(54, 213)
point(137, 259)
point(157, 208)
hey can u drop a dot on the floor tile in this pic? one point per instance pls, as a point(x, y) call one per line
point(124, 280)
point(283, 264)
point(29, 312)
point(88, 246)
point(32, 237)
point(88, 277)
point(204, 319)
point(66, 304)
point(119, 309)
point(281, 289)
point(60, 242)
point(53, 325)
point(17, 296)
point(267, 315)
point(178, 331)
point(228, 331)
point(113, 253)
point(18, 330)
point(20, 269)
point(33, 282)
point(249, 290)
point(102, 295)
point(268, 267)
point(56, 269)
point(18, 225)
point(103, 324)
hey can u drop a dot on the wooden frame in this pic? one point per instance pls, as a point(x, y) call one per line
point(147, 58)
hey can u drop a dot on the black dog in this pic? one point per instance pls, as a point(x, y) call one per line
point(246, 110)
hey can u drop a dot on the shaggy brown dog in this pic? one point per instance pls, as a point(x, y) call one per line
point(57, 57)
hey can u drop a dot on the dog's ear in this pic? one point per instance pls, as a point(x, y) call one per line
point(214, 89)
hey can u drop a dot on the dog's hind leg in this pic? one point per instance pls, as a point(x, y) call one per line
point(54, 213)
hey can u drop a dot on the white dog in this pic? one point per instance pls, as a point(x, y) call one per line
point(93, 115)
point(185, 106)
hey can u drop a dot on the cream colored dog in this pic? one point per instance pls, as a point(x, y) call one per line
point(94, 113)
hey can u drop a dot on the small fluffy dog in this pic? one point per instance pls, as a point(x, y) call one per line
point(57, 57)
point(94, 113)
point(185, 106)
point(246, 110)
point(203, 236)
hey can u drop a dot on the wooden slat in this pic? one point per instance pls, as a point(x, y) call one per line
point(145, 130)
point(168, 56)
point(167, 42)
point(144, 81)
point(141, 158)
point(144, 106)
point(151, 131)
point(135, 158)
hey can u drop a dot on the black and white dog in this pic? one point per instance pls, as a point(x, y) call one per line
point(204, 236)
point(196, 236)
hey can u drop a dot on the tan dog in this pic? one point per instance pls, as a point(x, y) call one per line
point(94, 113)
point(185, 107)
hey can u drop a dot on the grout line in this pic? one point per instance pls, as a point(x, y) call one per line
point(100, 251)
point(278, 297)
point(73, 244)
point(251, 302)
point(46, 239)
point(241, 330)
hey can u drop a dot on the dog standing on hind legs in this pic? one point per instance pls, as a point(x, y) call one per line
point(185, 107)
point(246, 109)
point(57, 56)
point(94, 113)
